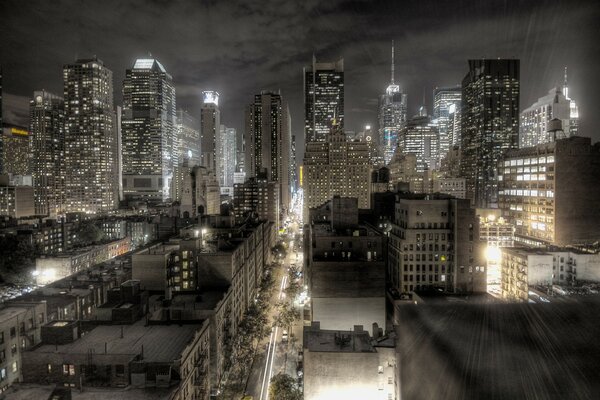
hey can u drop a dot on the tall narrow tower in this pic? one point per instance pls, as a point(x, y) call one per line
point(148, 126)
point(90, 137)
point(392, 116)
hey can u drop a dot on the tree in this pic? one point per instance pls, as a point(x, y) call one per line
point(283, 387)
point(87, 233)
point(287, 314)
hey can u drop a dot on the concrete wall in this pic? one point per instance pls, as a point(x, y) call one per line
point(539, 269)
point(151, 270)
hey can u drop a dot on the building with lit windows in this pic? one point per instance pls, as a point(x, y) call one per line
point(46, 124)
point(434, 244)
point(446, 102)
point(257, 197)
point(392, 116)
point(148, 128)
point(90, 158)
point(489, 124)
point(210, 123)
point(420, 137)
point(16, 150)
point(550, 192)
point(228, 156)
point(200, 193)
point(323, 98)
point(267, 139)
point(336, 167)
point(187, 139)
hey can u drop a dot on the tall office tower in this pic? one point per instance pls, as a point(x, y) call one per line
point(550, 192)
point(47, 124)
point(392, 117)
point(489, 125)
point(268, 142)
point(420, 137)
point(119, 147)
point(148, 129)
point(187, 139)
point(227, 151)
point(435, 245)
point(573, 126)
point(445, 103)
point(90, 158)
point(210, 122)
point(240, 151)
point(336, 167)
point(323, 98)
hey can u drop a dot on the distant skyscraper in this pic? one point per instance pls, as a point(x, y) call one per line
point(535, 119)
point(47, 124)
point(228, 154)
point(210, 122)
point(392, 116)
point(489, 124)
point(268, 142)
point(187, 142)
point(574, 110)
point(1, 116)
point(16, 150)
point(148, 130)
point(445, 103)
point(420, 137)
point(323, 98)
point(90, 144)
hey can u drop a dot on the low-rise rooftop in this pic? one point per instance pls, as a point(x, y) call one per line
point(161, 343)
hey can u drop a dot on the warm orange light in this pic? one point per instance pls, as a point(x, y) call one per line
point(20, 132)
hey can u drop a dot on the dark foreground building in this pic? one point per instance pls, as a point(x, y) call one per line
point(499, 351)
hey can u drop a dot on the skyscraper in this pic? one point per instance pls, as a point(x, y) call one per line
point(227, 158)
point(210, 122)
point(46, 124)
point(445, 103)
point(420, 137)
point(392, 116)
point(574, 110)
point(1, 166)
point(90, 145)
point(187, 139)
point(268, 142)
point(323, 98)
point(148, 131)
point(489, 125)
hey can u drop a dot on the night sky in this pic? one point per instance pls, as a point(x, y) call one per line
point(241, 47)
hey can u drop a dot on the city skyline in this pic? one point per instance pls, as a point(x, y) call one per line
point(208, 58)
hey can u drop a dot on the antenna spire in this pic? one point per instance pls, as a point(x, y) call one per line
point(565, 87)
point(392, 62)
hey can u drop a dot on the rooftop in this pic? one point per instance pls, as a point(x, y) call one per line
point(161, 343)
point(317, 340)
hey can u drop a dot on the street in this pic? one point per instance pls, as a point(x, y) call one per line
point(277, 355)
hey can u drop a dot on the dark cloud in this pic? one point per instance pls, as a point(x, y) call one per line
point(242, 47)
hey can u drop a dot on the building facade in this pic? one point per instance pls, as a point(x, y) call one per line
point(256, 197)
point(90, 159)
point(16, 150)
point(489, 124)
point(550, 192)
point(336, 167)
point(434, 244)
point(323, 98)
